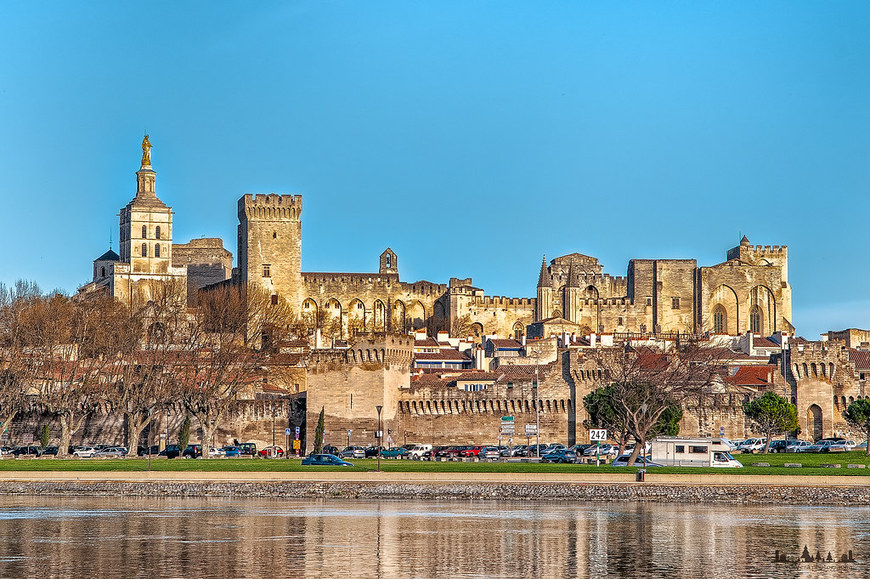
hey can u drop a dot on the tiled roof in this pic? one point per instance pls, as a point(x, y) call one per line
point(509, 344)
point(428, 342)
point(764, 343)
point(446, 355)
point(861, 359)
point(752, 375)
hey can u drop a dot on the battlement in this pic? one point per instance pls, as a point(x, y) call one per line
point(270, 207)
point(778, 251)
point(375, 352)
point(505, 302)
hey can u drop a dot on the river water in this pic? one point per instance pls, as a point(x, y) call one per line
point(98, 538)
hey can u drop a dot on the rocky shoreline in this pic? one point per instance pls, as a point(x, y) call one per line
point(608, 492)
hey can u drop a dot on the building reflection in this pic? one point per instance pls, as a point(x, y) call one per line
point(199, 537)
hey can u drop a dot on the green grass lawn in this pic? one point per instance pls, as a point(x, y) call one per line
point(811, 465)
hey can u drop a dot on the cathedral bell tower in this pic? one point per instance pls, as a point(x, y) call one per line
point(146, 223)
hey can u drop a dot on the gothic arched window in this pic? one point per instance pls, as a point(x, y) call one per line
point(719, 320)
point(144, 250)
point(157, 232)
point(157, 250)
point(144, 232)
point(755, 320)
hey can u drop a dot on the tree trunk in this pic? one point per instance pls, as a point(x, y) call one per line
point(635, 452)
point(4, 426)
point(135, 426)
point(65, 436)
point(623, 441)
point(207, 436)
point(766, 448)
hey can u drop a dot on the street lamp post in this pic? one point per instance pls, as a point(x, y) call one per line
point(380, 435)
point(537, 354)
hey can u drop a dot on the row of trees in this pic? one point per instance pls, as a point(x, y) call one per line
point(68, 358)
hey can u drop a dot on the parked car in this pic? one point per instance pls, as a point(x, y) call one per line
point(640, 461)
point(192, 451)
point(144, 450)
point(489, 453)
point(751, 445)
point(215, 452)
point(247, 448)
point(553, 446)
point(171, 451)
point(563, 455)
point(27, 451)
point(533, 449)
point(111, 452)
point(450, 451)
point(602, 450)
point(470, 451)
point(84, 451)
point(271, 452)
point(324, 460)
point(395, 452)
point(329, 449)
point(6, 450)
point(352, 452)
point(231, 452)
point(372, 451)
point(418, 450)
point(520, 450)
point(826, 446)
point(49, 451)
point(797, 445)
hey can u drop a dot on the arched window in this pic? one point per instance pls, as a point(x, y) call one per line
point(755, 320)
point(144, 250)
point(144, 232)
point(157, 232)
point(719, 320)
point(389, 261)
point(102, 272)
point(157, 250)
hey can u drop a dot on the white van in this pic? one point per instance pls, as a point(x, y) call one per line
point(419, 450)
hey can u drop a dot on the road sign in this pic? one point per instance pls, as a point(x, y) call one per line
point(287, 432)
point(297, 444)
point(597, 435)
point(348, 431)
point(507, 418)
point(531, 429)
point(26, 438)
point(721, 431)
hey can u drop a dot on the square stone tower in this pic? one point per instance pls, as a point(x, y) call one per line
point(270, 244)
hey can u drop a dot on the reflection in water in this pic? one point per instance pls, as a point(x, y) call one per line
point(111, 537)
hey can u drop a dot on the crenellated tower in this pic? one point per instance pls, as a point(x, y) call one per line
point(270, 244)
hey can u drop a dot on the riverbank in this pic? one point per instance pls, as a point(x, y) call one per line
point(658, 488)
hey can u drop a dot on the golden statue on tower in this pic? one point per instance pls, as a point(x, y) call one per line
point(146, 151)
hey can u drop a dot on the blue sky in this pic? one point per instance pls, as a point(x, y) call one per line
point(471, 137)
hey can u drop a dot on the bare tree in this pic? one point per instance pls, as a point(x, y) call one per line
point(646, 382)
point(67, 347)
point(149, 337)
point(221, 357)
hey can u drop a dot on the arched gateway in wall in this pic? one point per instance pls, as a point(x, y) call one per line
point(814, 422)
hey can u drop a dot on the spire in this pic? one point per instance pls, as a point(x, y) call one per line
point(110, 239)
point(543, 275)
point(745, 241)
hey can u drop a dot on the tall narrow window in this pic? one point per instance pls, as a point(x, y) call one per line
point(144, 232)
point(157, 232)
point(144, 250)
point(675, 303)
point(157, 250)
point(389, 261)
point(719, 325)
point(755, 320)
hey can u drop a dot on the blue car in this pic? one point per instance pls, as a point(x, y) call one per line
point(324, 460)
point(231, 451)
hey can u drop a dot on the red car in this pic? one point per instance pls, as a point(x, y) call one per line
point(470, 451)
point(272, 452)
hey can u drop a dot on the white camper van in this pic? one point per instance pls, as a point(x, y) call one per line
point(687, 451)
